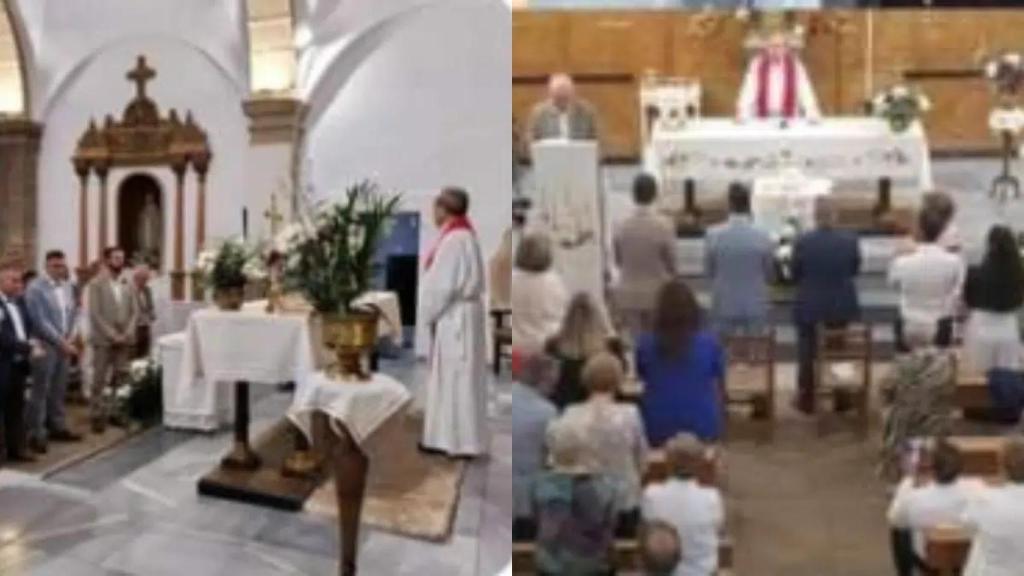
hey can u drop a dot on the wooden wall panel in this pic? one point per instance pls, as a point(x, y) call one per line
point(849, 55)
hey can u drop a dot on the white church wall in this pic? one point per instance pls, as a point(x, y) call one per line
point(81, 52)
point(414, 94)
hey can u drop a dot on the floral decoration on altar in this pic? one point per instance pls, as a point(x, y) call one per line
point(228, 268)
point(328, 257)
point(142, 400)
point(1006, 73)
point(785, 240)
point(900, 106)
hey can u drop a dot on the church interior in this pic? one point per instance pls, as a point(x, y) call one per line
point(696, 127)
point(246, 163)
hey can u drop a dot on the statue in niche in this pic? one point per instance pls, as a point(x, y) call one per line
point(151, 230)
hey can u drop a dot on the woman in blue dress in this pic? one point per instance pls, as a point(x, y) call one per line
point(682, 366)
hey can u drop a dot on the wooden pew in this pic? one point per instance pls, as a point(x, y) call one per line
point(972, 393)
point(982, 455)
point(627, 556)
point(946, 549)
point(502, 334)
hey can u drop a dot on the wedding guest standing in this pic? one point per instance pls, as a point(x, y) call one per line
point(147, 310)
point(994, 294)
point(113, 312)
point(17, 349)
point(52, 310)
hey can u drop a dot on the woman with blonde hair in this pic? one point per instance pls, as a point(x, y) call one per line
point(539, 296)
point(584, 333)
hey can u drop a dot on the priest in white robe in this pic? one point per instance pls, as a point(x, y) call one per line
point(776, 85)
point(452, 308)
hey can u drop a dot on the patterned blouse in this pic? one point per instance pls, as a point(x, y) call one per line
point(576, 521)
point(921, 386)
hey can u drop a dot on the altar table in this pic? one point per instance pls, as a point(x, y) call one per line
point(244, 347)
point(839, 149)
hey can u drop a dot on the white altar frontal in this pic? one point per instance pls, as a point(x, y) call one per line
point(568, 205)
point(713, 152)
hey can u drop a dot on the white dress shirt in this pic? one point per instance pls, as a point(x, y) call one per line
point(996, 516)
point(697, 513)
point(930, 280)
point(19, 323)
point(929, 506)
point(563, 126)
point(60, 295)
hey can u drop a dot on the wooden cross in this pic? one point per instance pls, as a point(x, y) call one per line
point(274, 216)
point(140, 75)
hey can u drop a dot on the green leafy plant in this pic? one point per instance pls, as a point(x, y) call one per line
point(231, 265)
point(329, 255)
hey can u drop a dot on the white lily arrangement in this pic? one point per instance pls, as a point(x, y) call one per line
point(900, 106)
point(231, 265)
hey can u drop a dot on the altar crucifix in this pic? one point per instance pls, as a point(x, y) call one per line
point(140, 75)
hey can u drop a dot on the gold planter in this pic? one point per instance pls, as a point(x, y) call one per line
point(351, 337)
point(229, 299)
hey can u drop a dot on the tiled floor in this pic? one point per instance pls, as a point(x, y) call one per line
point(134, 511)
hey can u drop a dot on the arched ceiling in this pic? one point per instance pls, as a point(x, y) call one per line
point(12, 85)
point(272, 55)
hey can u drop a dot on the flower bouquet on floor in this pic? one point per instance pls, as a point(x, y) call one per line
point(785, 240)
point(228, 269)
point(900, 106)
point(329, 259)
point(141, 399)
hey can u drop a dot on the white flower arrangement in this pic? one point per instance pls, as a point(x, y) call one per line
point(231, 264)
point(900, 106)
point(1006, 72)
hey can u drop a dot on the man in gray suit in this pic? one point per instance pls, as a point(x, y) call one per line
point(113, 314)
point(563, 116)
point(740, 260)
point(51, 307)
point(645, 254)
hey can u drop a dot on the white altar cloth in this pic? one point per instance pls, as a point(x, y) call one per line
point(190, 414)
point(249, 345)
point(362, 407)
point(839, 149)
point(789, 196)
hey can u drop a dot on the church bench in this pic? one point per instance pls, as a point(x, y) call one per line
point(502, 334)
point(658, 470)
point(982, 455)
point(627, 556)
point(849, 345)
point(946, 549)
point(750, 377)
point(972, 394)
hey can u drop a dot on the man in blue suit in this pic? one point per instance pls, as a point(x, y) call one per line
point(17, 349)
point(739, 259)
point(51, 306)
point(826, 263)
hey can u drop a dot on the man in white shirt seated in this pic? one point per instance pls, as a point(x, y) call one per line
point(996, 519)
point(930, 280)
point(928, 499)
point(659, 549)
point(695, 511)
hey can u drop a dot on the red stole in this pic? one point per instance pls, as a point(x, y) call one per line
point(789, 88)
point(454, 224)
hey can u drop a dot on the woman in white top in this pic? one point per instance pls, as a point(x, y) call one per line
point(996, 518)
point(994, 294)
point(616, 434)
point(539, 296)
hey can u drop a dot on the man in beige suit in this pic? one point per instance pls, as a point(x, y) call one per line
point(645, 254)
point(563, 116)
point(113, 314)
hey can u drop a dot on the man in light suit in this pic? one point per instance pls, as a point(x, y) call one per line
point(645, 254)
point(52, 310)
point(739, 259)
point(563, 116)
point(113, 314)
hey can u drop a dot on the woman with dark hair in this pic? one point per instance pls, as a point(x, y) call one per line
point(682, 366)
point(994, 293)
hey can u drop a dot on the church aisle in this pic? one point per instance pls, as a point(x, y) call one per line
point(134, 511)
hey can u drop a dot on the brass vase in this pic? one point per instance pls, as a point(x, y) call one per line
point(229, 299)
point(352, 337)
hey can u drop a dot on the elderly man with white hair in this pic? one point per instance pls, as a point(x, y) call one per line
point(563, 116)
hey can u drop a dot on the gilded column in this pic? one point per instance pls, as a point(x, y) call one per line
point(180, 167)
point(201, 163)
point(82, 170)
point(102, 171)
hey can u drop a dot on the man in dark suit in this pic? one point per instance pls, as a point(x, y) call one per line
point(826, 263)
point(17, 349)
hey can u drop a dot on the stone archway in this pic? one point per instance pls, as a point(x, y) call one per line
point(141, 220)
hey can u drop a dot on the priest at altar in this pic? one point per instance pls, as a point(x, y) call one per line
point(776, 85)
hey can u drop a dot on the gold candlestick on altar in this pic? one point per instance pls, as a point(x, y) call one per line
point(274, 217)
